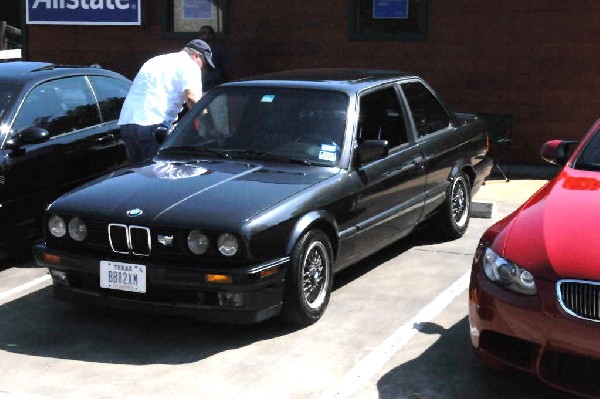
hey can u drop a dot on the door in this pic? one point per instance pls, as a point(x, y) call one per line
point(390, 191)
point(437, 137)
point(35, 174)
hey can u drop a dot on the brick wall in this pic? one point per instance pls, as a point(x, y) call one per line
point(533, 59)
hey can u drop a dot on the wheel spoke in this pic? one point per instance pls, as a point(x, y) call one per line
point(314, 276)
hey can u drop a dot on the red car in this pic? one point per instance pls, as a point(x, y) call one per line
point(534, 296)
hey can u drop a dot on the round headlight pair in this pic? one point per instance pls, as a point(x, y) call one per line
point(198, 243)
point(58, 228)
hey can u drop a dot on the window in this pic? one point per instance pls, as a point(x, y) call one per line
point(375, 20)
point(59, 106)
point(7, 94)
point(111, 94)
point(380, 118)
point(428, 114)
point(183, 18)
point(297, 124)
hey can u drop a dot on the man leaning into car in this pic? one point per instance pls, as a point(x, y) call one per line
point(161, 86)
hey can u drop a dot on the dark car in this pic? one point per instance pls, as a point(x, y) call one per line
point(534, 302)
point(265, 189)
point(57, 130)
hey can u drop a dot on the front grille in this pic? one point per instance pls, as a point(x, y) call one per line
point(580, 298)
point(129, 239)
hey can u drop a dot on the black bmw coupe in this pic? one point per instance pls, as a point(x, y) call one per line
point(262, 192)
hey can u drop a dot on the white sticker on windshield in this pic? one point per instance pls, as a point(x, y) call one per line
point(328, 147)
point(267, 98)
point(327, 156)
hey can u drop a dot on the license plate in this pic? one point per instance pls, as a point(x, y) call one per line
point(122, 276)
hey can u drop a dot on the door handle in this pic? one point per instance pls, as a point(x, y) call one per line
point(419, 161)
point(106, 138)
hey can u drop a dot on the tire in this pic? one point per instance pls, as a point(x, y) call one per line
point(309, 280)
point(455, 215)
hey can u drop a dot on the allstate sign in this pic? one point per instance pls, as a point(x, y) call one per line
point(83, 12)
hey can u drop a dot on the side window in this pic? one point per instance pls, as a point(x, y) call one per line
point(59, 106)
point(111, 94)
point(380, 117)
point(429, 115)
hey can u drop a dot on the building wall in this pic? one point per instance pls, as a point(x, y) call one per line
point(533, 59)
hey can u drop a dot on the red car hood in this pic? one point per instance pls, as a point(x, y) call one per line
point(556, 233)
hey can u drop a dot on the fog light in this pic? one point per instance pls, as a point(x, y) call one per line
point(59, 277)
point(231, 299)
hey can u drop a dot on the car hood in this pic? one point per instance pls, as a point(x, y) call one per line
point(555, 234)
point(214, 193)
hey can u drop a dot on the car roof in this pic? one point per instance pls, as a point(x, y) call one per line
point(20, 72)
point(348, 80)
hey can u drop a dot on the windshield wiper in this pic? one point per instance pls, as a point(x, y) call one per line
point(205, 150)
point(269, 156)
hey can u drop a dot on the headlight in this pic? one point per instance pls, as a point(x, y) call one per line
point(77, 229)
point(505, 273)
point(228, 244)
point(197, 242)
point(57, 226)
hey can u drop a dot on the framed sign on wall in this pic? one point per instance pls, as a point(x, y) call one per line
point(185, 17)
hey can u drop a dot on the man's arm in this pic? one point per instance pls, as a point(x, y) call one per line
point(191, 97)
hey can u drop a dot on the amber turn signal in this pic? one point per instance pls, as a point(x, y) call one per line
point(51, 258)
point(218, 278)
point(269, 272)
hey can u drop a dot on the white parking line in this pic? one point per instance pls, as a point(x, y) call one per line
point(23, 287)
point(370, 365)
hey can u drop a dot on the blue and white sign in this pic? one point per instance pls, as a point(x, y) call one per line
point(197, 9)
point(390, 9)
point(83, 12)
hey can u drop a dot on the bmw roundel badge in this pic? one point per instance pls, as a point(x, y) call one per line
point(134, 212)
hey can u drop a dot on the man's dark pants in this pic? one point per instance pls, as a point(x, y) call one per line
point(140, 141)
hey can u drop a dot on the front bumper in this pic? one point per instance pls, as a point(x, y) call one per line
point(534, 334)
point(169, 290)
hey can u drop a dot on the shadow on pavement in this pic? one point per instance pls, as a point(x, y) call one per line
point(39, 325)
point(422, 236)
point(449, 369)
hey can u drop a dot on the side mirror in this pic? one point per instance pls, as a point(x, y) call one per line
point(370, 150)
point(557, 152)
point(161, 133)
point(30, 135)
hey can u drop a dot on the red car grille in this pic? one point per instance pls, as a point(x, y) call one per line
point(580, 298)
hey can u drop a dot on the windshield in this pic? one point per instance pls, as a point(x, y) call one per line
point(7, 95)
point(288, 125)
point(589, 157)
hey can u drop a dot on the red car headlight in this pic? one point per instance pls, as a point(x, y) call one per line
point(507, 274)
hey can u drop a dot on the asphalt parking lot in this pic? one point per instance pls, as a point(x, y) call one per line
point(396, 327)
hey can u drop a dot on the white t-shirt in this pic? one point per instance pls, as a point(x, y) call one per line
point(157, 92)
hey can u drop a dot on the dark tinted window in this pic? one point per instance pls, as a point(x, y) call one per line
point(59, 106)
point(7, 95)
point(589, 158)
point(110, 93)
point(427, 112)
point(380, 117)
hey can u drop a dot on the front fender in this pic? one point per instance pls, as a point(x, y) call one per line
point(304, 223)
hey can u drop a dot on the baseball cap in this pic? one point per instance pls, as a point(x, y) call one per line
point(204, 48)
